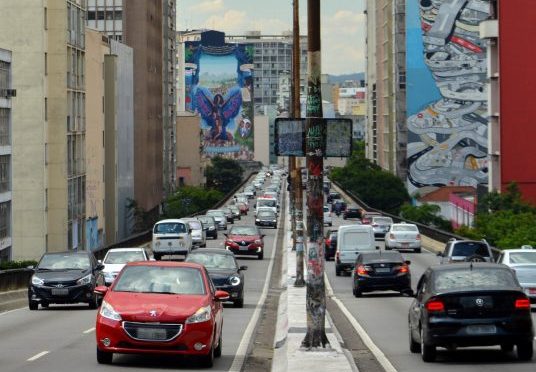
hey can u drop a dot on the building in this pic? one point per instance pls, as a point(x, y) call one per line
point(107, 17)
point(386, 135)
point(510, 93)
point(6, 94)
point(48, 142)
point(457, 204)
point(189, 170)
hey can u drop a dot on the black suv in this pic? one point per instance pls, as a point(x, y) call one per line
point(466, 250)
point(65, 278)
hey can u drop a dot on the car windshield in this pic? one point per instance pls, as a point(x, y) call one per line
point(206, 221)
point(160, 279)
point(351, 240)
point(404, 228)
point(383, 220)
point(170, 228)
point(465, 278)
point(122, 257)
point(213, 261)
point(217, 213)
point(243, 230)
point(266, 203)
point(523, 258)
point(268, 214)
point(195, 225)
point(326, 209)
point(383, 256)
point(64, 262)
point(469, 249)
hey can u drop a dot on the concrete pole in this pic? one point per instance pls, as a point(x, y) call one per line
point(297, 180)
point(315, 143)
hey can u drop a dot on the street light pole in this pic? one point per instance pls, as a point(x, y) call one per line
point(315, 144)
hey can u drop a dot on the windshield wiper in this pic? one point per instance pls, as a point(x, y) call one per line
point(169, 293)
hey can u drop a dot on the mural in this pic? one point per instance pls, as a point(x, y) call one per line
point(446, 93)
point(219, 87)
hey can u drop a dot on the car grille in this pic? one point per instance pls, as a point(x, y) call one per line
point(243, 243)
point(152, 331)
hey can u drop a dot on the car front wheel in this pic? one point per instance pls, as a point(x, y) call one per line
point(414, 346)
point(104, 357)
point(33, 305)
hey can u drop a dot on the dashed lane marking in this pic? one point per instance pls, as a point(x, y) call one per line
point(37, 356)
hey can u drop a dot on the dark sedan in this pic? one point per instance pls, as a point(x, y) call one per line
point(330, 243)
point(209, 225)
point(223, 270)
point(266, 218)
point(470, 304)
point(353, 211)
point(381, 271)
point(65, 278)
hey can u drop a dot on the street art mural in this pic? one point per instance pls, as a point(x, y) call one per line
point(446, 93)
point(219, 87)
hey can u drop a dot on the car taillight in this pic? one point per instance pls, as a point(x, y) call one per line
point(522, 304)
point(435, 306)
point(328, 242)
point(403, 269)
point(337, 255)
point(361, 270)
point(391, 236)
point(418, 237)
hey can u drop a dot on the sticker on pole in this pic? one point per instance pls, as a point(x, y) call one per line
point(289, 137)
point(338, 138)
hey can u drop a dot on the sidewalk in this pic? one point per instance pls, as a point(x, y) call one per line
point(292, 327)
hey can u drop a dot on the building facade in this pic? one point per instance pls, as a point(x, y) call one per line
point(48, 143)
point(107, 17)
point(6, 94)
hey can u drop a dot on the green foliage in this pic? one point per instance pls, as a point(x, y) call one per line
point(224, 174)
point(376, 187)
point(189, 200)
point(9, 265)
point(427, 214)
point(143, 220)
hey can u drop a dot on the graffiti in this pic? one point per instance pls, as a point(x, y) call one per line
point(446, 96)
point(289, 137)
point(338, 138)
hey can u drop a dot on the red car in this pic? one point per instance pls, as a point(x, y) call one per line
point(245, 240)
point(161, 307)
point(243, 207)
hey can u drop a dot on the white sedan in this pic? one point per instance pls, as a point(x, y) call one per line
point(403, 236)
point(116, 258)
point(523, 262)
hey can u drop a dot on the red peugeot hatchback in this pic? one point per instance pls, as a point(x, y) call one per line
point(159, 307)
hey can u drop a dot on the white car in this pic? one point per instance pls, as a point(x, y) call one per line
point(116, 258)
point(403, 236)
point(327, 216)
point(523, 261)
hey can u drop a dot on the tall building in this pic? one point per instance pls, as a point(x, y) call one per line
point(48, 142)
point(6, 94)
point(107, 17)
point(386, 134)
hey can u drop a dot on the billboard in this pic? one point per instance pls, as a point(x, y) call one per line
point(219, 87)
point(446, 93)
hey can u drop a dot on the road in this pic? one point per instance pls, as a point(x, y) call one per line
point(384, 316)
point(62, 338)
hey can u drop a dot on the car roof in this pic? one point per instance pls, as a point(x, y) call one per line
point(381, 256)
point(68, 253)
point(403, 224)
point(212, 251)
point(355, 227)
point(137, 249)
point(170, 220)
point(165, 264)
point(519, 250)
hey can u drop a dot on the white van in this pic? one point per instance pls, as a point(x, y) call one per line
point(171, 237)
point(352, 240)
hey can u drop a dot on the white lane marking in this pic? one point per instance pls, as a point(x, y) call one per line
point(37, 356)
point(240, 356)
point(12, 311)
point(88, 330)
point(375, 350)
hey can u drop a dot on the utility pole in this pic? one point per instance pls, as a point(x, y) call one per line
point(314, 147)
point(296, 177)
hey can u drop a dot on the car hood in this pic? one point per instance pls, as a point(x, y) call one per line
point(216, 274)
point(113, 268)
point(137, 307)
point(61, 275)
point(246, 238)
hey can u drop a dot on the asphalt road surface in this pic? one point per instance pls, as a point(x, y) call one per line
point(62, 338)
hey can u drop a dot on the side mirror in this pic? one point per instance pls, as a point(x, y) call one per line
point(221, 296)
point(242, 268)
point(408, 262)
point(101, 290)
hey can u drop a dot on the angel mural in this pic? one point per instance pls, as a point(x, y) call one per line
point(218, 111)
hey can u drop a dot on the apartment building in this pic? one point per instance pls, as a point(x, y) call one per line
point(107, 17)
point(48, 142)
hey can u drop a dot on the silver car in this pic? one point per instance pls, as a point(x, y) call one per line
point(219, 217)
point(199, 236)
point(403, 236)
point(381, 225)
point(523, 261)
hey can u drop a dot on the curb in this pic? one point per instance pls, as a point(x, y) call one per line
point(13, 299)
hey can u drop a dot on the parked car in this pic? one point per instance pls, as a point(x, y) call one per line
point(466, 250)
point(219, 216)
point(65, 278)
point(403, 236)
point(523, 262)
point(470, 304)
point(330, 244)
point(366, 217)
point(161, 308)
point(229, 215)
point(381, 225)
point(266, 217)
point(224, 272)
point(245, 240)
point(332, 196)
point(352, 211)
point(209, 225)
point(381, 271)
point(117, 258)
point(237, 215)
point(327, 216)
point(352, 240)
point(171, 237)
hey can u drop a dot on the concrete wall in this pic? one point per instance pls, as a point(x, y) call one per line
point(111, 149)
point(189, 164)
point(262, 139)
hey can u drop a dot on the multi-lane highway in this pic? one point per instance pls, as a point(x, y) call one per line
point(62, 338)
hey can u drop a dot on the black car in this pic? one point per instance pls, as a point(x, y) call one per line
point(381, 271)
point(338, 207)
point(332, 196)
point(470, 304)
point(353, 211)
point(209, 225)
point(228, 214)
point(65, 278)
point(330, 245)
point(223, 270)
point(266, 218)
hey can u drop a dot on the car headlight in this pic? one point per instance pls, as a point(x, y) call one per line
point(258, 241)
point(85, 280)
point(211, 228)
point(108, 312)
point(258, 220)
point(234, 280)
point(230, 241)
point(274, 220)
point(37, 280)
point(200, 316)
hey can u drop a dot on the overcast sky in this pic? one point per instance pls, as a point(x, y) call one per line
point(343, 25)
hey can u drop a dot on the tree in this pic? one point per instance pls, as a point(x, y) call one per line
point(223, 174)
point(189, 200)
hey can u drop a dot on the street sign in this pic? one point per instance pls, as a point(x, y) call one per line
point(290, 137)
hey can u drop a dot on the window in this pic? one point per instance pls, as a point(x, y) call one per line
point(91, 15)
point(4, 127)
point(46, 63)
point(118, 15)
point(5, 219)
point(45, 19)
point(5, 173)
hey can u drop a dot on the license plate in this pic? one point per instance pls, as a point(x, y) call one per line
point(532, 291)
point(244, 248)
point(481, 329)
point(152, 334)
point(383, 270)
point(60, 291)
point(405, 245)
